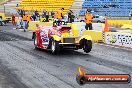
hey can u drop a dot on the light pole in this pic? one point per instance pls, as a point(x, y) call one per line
point(4, 6)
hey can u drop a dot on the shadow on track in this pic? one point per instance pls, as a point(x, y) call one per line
point(64, 53)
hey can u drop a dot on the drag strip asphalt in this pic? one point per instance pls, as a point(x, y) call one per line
point(41, 69)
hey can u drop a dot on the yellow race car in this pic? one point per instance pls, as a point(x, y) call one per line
point(57, 38)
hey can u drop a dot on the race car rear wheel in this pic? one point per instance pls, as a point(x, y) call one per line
point(35, 42)
point(87, 46)
point(55, 47)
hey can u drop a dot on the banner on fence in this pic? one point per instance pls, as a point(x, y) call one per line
point(120, 39)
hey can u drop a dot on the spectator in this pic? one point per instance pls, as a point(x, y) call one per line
point(18, 20)
point(71, 16)
point(21, 12)
point(88, 19)
point(21, 23)
point(24, 18)
point(33, 17)
point(18, 11)
point(13, 20)
point(17, 5)
point(28, 20)
point(44, 14)
point(60, 15)
point(52, 14)
point(130, 15)
point(37, 15)
point(47, 17)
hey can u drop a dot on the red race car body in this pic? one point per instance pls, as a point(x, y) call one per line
point(60, 37)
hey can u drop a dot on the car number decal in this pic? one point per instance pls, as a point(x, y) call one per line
point(44, 36)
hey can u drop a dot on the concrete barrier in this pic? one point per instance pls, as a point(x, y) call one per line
point(118, 38)
point(95, 35)
point(76, 29)
point(119, 23)
point(128, 26)
point(125, 31)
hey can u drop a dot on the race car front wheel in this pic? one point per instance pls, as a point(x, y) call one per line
point(55, 47)
point(87, 46)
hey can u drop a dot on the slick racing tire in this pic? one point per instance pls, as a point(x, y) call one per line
point(87, 46)
point(55, 47)
point(35, 42)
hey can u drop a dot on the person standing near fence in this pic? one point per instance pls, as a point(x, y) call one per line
point(13, 20)
point(44, 14)
point(88, 20)
point(60, 16)
point(47, 17)
point(18, 20)
point(24, 18)
point(130, 15)
point(33, 17)
point(52, 14)
point(37, 15)
point(28, 20)
point(71, 16)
